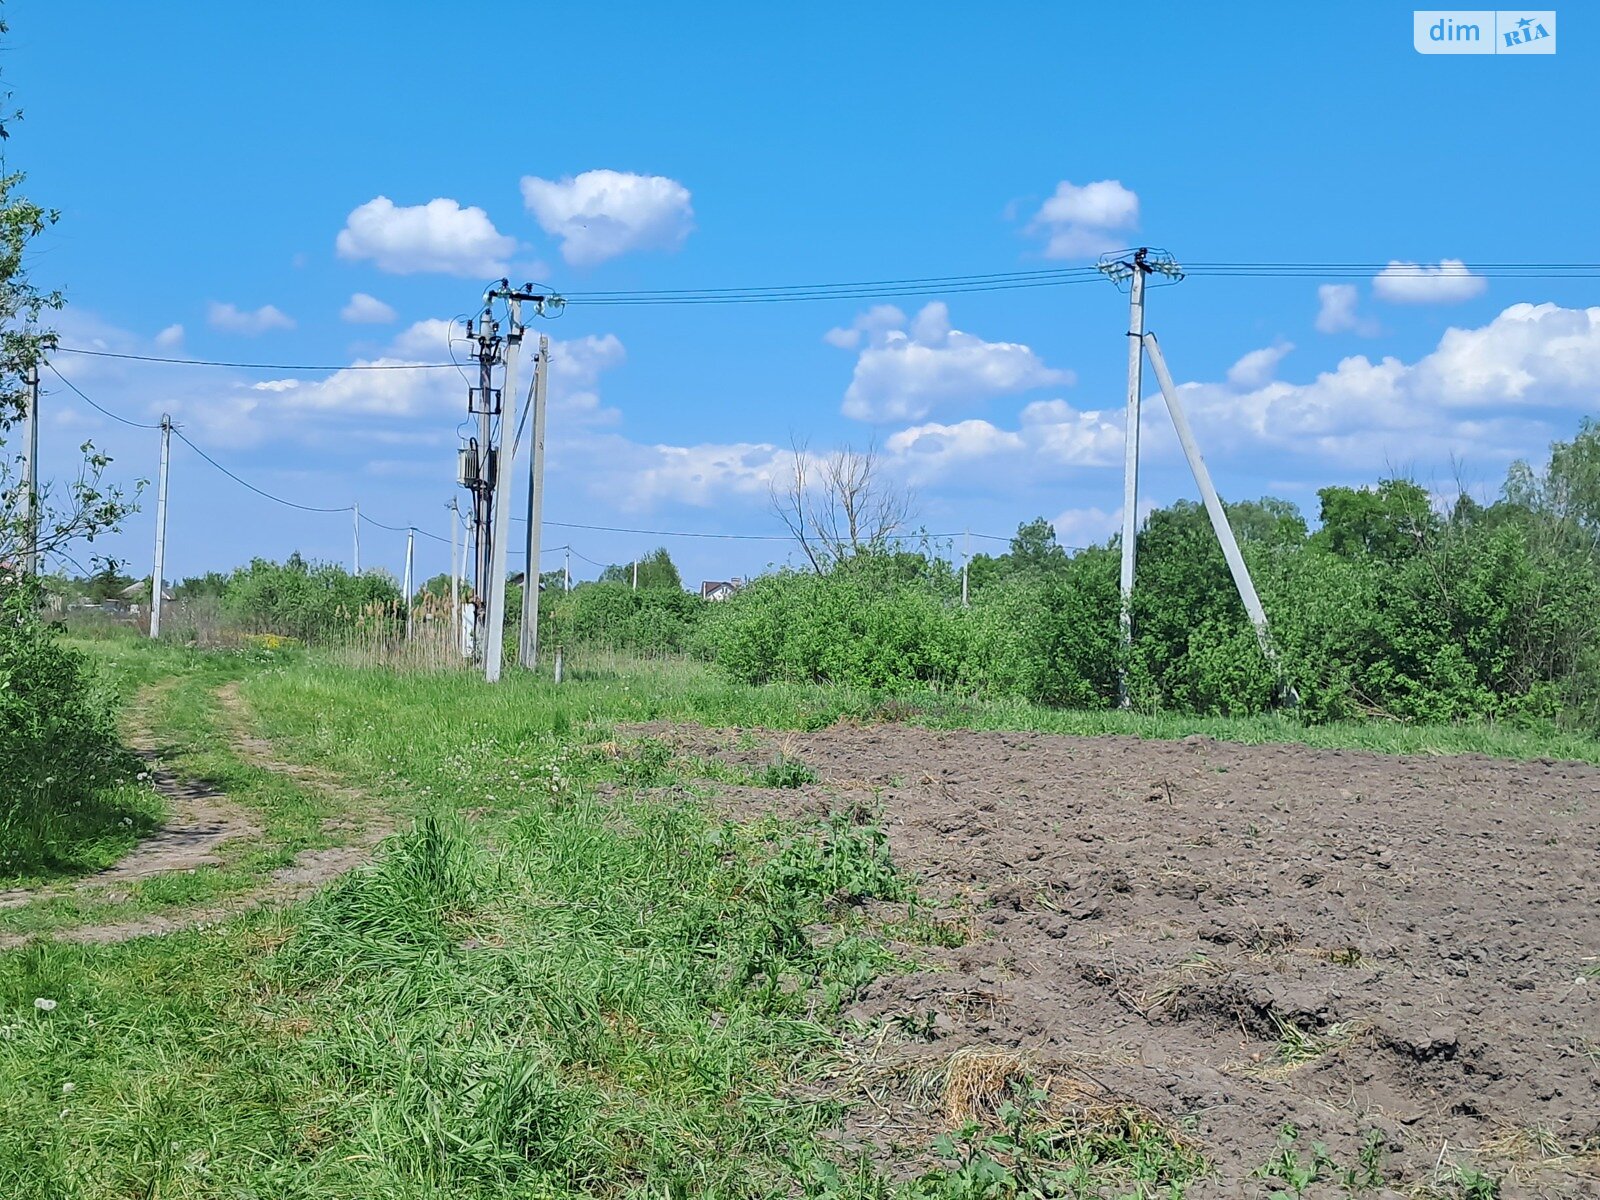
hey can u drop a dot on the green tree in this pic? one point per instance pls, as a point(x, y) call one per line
point(656, 570)
point(1034, 547)
point(1392, 521)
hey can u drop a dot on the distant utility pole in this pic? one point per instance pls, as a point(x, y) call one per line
point(411, 535)
point(528, 644)
point(966, 557)
point(355, 526)
point(158, 569)
point(566, 569)
point(30, 478)
point(1134, 269)
point(636, 572)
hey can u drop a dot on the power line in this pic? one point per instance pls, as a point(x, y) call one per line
point(115, 417)
point(252, 487)
point(257, 366)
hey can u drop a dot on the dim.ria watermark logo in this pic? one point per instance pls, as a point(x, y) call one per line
point(1484, 31)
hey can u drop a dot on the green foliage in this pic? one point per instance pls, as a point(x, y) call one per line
point(65, 803)
point(653, 620)
point(309, 601)
point(656, 570)
point(858, 625)
point(1390, 609)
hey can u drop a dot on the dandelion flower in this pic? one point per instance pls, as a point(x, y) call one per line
point(43, 1004)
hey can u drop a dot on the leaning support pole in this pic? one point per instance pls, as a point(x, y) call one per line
point(528, 644)
point(1219, 518)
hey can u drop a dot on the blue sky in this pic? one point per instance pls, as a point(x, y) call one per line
point(232, 176)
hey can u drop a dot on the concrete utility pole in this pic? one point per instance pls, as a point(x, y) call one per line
point(30, 478)
point(158, 569)
point(966, 557)
point(484, 401)
point(1214, 509)
point(636, 572)
point(1145, 262)
point(500, 521)
point(486, 468)
point(528, 645)
point(411, 535)
point(355, 527)
point(455, 574)
point(1130, 461)
point(566, 569)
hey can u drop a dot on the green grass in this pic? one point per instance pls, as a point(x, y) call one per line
point(565, 977)
point(172, 692)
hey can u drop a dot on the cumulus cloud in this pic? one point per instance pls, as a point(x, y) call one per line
point(1487, 389)
point(170, 338)
point(906, 369)
point(1336, 311)
point(638, 476)
point(232, 319)
point(1082, 221)
point(440, 236)
point(1418, 283)
point(1050, 434)
point(366, 310)
point(601, 214)
point(1257, 367)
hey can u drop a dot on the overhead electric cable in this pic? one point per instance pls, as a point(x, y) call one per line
point(258, 366)
point(98, 408)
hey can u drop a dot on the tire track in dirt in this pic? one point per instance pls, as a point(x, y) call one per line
point(202, 820)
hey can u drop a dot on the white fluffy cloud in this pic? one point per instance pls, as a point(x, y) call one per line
point(232, 319)
point(439, 236)
point(600, 214)
point(1082, 221)
point(170, 338)
point(1418, 283)
point(906, 369)
point(638, 476)
point(1486, 391)
point(1336, 311)
point(1050, 434)
point(1257, 367)
point(366, 310)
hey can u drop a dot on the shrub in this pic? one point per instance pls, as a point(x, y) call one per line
point(59, 753)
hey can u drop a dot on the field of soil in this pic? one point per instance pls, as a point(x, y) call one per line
point(1237, 938)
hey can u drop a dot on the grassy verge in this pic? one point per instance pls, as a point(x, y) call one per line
point(170, 701)
point(558, 993)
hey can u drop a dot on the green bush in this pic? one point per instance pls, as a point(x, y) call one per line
point(856, 625)
point(61, 808)
point(615, 616)
point(309, 601)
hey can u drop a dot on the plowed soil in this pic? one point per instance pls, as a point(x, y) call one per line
point(1240, 937)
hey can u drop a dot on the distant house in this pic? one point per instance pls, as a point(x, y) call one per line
point(135, 598)
point(719, 589)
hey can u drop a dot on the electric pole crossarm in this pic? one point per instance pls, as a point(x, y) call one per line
point(1219, 518)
